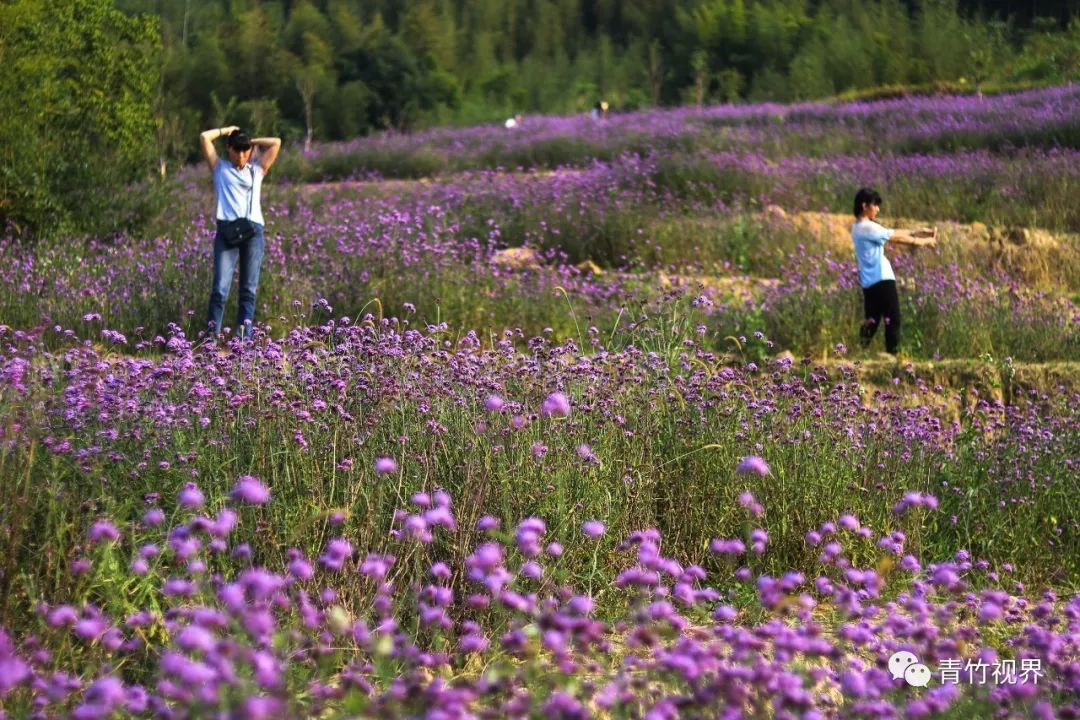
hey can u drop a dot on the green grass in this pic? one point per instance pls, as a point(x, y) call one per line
point(673, 470)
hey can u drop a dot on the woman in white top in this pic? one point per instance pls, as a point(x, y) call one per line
point(880, 299)
point(238, 186)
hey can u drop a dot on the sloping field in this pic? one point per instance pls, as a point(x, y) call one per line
point(593, 437)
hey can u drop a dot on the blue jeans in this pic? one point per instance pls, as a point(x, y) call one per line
point(250, 255)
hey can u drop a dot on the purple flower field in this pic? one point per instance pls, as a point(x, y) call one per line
point(1037, 118)
point(432, 249)
point(362, 556)
point(610, 474)
point(502, 636)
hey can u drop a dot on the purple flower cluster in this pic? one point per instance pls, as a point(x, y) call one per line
point(261, 644)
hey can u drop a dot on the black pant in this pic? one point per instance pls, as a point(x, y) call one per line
point(881, 302)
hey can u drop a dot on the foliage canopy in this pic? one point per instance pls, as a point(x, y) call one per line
point(77, 92)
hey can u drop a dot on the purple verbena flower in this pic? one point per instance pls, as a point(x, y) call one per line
point(337, 552)
point(557, 404)
point(103, 531)
point(593, 528)
point(752, 464)
point(190, 496)
point(251, 490)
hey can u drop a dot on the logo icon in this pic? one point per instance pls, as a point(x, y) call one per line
point(904, 665)
point(917, 675)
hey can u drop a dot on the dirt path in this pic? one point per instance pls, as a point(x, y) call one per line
point(958, 382)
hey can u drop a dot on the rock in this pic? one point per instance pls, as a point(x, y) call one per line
point(1028, 237)
point(517, 258)
point(1042, 238)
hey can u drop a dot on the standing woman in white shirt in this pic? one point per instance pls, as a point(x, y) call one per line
point(880, 299)
point(238, 186)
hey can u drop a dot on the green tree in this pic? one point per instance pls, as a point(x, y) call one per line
point(257, 62)
point(699, 61)
point(428, 34)
point(481, 67)
point(207, 74)
point(77, 89)
point(941, 40)
point(547, 37)
point(809, 75)
point(1049, 55)
point(348, 109)
point(729, 85)
point(774, 32)
point(176, 120)
point(891, 42)
point(848, 50)
point(311, 67)
point(402, 87)
point(346, 30)
point(305, 28)
point(986, 48)
point(308, 78)
point(656, 71)
point(769, 84)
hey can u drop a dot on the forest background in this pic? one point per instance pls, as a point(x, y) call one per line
point(101, 93)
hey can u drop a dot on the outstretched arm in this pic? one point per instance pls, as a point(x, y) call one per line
point(207, 138)
point(268, 150)
point(923, 236)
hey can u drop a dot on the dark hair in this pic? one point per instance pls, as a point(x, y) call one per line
point(865, 196)
point(239, 140)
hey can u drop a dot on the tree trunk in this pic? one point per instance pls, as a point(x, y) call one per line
point(656, 72)
point(306, 82)
point(307, 120)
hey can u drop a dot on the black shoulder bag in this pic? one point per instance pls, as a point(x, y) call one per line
point(237, 232)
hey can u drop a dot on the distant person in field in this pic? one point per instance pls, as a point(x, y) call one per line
point(513, 122)
point(238, 186)
point(880, 300)
point(599, 111)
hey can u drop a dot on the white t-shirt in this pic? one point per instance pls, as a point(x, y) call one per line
point(233, 187)
point(869, 239)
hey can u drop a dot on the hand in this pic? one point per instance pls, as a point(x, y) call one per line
point(229, 130)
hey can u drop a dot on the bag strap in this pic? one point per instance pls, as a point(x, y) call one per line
point(251, 196)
